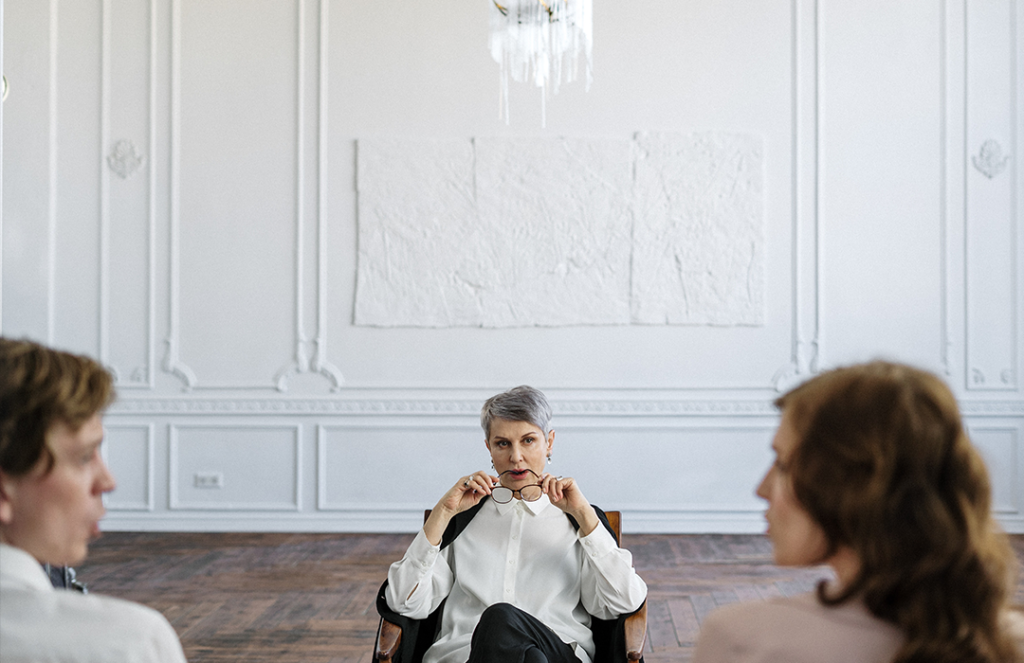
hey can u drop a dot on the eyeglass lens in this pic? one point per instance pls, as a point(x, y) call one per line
point(503, 495)
point(531, 493)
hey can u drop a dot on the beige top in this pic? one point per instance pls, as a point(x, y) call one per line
point(796, 629)
point(800, 629)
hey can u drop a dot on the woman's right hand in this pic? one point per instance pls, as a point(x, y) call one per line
point(465, 494)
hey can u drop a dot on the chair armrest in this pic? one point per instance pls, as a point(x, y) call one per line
point(389, 636)
point(635, 628)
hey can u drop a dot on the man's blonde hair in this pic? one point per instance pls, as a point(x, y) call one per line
point(41, 387)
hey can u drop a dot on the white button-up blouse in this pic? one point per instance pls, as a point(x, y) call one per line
point(523, 553)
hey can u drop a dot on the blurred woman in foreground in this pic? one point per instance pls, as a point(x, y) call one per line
point(874, 476)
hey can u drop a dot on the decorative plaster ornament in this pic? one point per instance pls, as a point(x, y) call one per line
point(531, 39)
point(125, 159)
point(990, 160)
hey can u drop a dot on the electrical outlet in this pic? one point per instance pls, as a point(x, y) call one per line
point(209, 480)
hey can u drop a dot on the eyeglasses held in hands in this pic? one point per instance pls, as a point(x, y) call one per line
point(504, 495)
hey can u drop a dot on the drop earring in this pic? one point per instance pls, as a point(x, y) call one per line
point(549, 457)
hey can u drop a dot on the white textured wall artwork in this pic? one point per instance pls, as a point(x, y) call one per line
point(513, 232)
point(698, 238)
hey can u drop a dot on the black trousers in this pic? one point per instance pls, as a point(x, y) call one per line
point(506, 634)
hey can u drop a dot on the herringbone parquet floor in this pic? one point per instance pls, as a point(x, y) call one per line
point(309, 598)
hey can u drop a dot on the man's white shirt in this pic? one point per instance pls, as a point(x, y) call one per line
point(41, 624)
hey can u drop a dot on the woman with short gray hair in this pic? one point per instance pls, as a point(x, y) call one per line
point(515, 560)
point(523, 403)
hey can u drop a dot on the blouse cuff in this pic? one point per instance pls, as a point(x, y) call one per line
point(598, 543)
point(422, 551)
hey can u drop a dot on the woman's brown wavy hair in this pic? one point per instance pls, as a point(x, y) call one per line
point(885, 467)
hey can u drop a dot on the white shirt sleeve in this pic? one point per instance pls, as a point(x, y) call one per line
point(609, 586)
point(161, 641)
point(419, 581)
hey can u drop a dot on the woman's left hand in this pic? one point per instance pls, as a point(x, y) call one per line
point(567, 496)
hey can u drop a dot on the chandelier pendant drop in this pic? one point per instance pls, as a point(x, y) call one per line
point(532, 40)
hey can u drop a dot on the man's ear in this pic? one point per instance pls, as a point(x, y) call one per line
point(6, 508)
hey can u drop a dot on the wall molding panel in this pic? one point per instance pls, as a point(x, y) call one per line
point(321, 364)
point(300, 362)
point(318, 362)
point(188, 371)
point(51, 217)
point(389, 407)
point(104, 131)
point(363, 488)
point(128, 203)
point(805, 110)
point(128, 467)
point(993, 218)
point(951, 68)
point(172, 363)
point(1000, 443)
point(240, 455)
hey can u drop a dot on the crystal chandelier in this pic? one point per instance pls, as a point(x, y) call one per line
point(534, 39)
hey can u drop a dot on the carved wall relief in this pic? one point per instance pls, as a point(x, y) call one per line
point(990, 160)
point(125, 159)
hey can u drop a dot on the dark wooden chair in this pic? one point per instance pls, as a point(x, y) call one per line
point(389, 635)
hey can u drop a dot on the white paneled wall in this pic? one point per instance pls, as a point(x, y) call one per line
point(180, 200)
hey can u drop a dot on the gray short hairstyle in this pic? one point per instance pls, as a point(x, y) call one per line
point(523, 403)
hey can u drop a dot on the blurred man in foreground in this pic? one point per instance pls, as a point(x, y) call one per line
point(52, 480)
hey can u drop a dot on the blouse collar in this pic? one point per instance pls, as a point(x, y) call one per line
point(534, 507)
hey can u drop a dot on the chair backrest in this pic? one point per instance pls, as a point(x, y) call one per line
point(614, 519)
